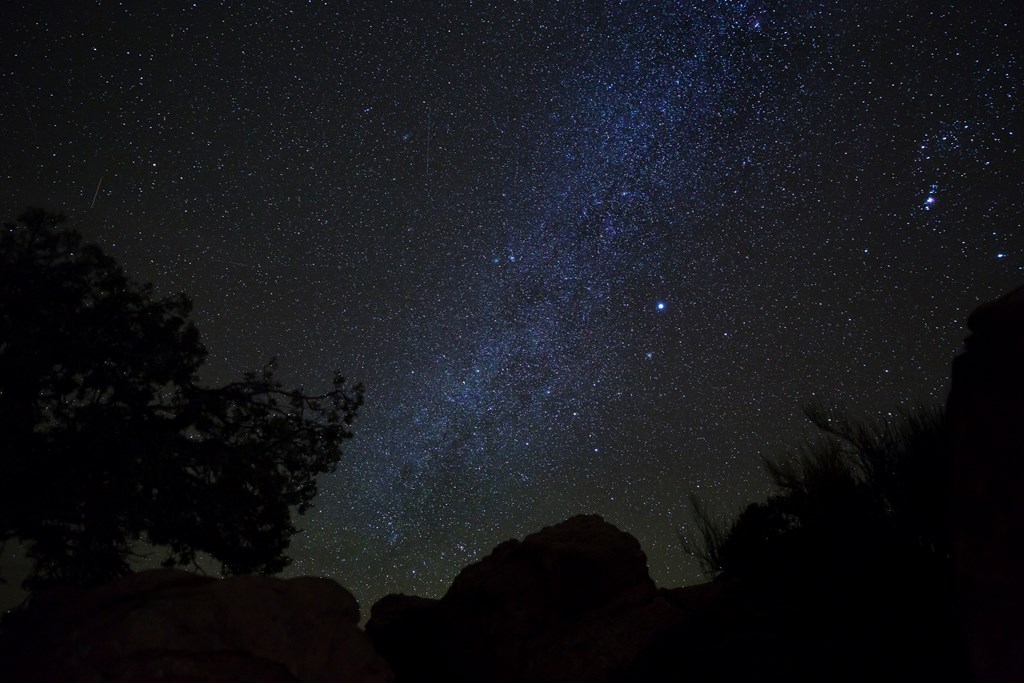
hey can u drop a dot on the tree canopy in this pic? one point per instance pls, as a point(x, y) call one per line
point(109, 439)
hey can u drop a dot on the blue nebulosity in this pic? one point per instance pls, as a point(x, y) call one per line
point(586, 256)
point(630, 144)
point(661, 121)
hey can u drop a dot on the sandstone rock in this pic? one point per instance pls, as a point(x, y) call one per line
point(559, 571)
point(572, 602)
point(175, 626)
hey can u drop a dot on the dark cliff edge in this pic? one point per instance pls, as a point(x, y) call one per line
point(986, 414)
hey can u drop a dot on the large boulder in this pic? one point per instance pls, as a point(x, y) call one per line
point(175, 626)
point(986, 415)
point(572, 602)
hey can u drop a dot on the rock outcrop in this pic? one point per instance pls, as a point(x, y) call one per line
point(986, 415)
point(175, 626)
point(572, 602)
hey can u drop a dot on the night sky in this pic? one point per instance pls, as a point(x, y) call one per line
point(585, 256)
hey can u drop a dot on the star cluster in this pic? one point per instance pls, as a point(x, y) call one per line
point(586, 256)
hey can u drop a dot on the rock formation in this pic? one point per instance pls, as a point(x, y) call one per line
point(175, 626)
point(572, 602)
point(986, 415)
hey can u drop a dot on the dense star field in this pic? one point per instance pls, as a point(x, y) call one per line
point(585, 256)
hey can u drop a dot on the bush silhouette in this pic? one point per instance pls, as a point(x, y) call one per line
point(861, 496)
point(844, 573)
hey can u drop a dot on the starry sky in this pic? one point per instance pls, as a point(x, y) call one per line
point(586, 256)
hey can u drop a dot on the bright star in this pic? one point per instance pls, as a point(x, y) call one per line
point(661, 305)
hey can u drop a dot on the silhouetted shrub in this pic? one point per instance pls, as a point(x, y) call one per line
point(861, 495)
point(844, 573)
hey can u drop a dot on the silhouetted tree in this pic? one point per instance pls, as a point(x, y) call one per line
point(109, 441)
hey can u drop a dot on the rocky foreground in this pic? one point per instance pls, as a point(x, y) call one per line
point(572, 602)
point(170, 625)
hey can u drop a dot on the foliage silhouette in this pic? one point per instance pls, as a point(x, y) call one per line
point(860, 496)
point(844, 573)
point(109, 439)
